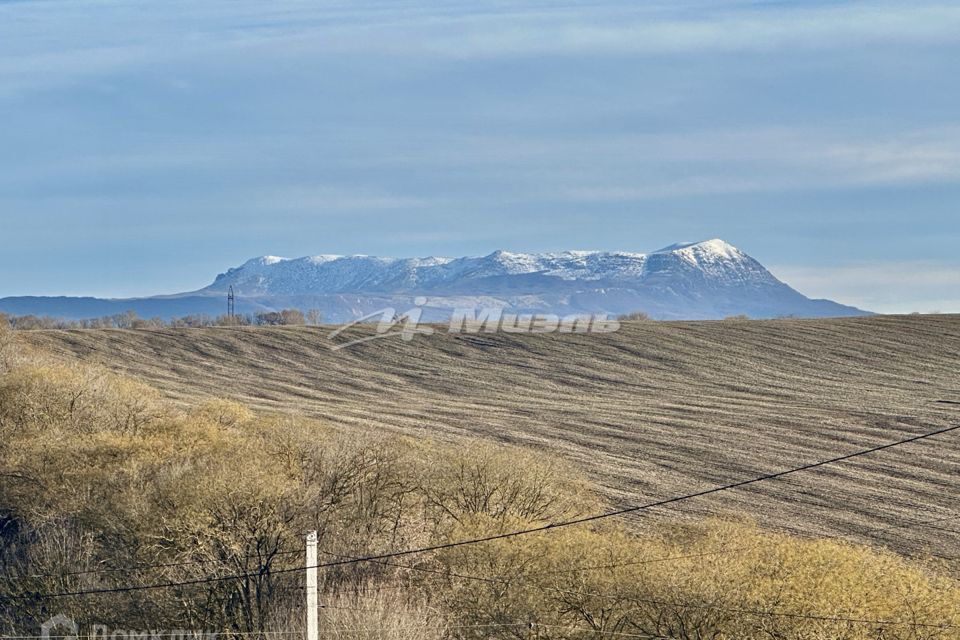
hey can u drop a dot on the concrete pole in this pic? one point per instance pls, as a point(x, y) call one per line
point(313, 609)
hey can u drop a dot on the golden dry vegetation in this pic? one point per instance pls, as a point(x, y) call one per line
point(197, 458)
point(654, 410)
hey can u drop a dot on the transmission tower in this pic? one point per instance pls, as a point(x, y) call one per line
point(231, 303)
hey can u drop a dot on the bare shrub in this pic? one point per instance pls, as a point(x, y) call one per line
point(284, 317)
point(713, 580)
point(226, 413)
point(382, 614)
point(7, 346)
point(373, 613)
point(79, 398)
point(503, 483)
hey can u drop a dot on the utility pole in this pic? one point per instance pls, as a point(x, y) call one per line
point(313, 618)
point(231, 302)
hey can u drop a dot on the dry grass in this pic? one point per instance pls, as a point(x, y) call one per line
point(654, 410)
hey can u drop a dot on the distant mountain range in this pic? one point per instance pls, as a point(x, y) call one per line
point(702, 280)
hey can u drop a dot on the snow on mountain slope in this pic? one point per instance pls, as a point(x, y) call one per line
point(708, 279)
point(339, 274)
point(692, 280)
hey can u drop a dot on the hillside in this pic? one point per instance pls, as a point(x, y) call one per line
point(656, 409)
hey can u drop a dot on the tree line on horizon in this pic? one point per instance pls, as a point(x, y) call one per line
point(131, 320)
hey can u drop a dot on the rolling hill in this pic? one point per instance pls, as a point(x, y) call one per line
point(653, 410)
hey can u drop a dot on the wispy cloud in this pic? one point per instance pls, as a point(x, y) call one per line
point(318, 200)
point(624, 168)
point(720, 30)
point(65, 38)
point(886, 287)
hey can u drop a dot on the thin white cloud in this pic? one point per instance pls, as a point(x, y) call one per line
point(323, 199)
point(618, 167)
point(712, 31)
point(762, 160)
point(63, 39)
point(575, 167)
point(884, 287)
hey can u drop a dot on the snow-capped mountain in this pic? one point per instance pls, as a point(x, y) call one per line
point(270, 275)
point(702, 280)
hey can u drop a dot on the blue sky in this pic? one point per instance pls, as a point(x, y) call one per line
point(147, 146)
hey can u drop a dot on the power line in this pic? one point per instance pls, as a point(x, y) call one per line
point(881, 528)
point(643, 507)
point(618, 565)
point(522, 532)
point(145, 567)
point(719, 552)
point(502, 580)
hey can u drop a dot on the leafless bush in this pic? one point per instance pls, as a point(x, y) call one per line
point(503, 483)
point(633, 316)
point(374, 614)
point(6, 344)
point(284, 317)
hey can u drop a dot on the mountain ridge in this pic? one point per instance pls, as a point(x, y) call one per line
point(689, 280)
